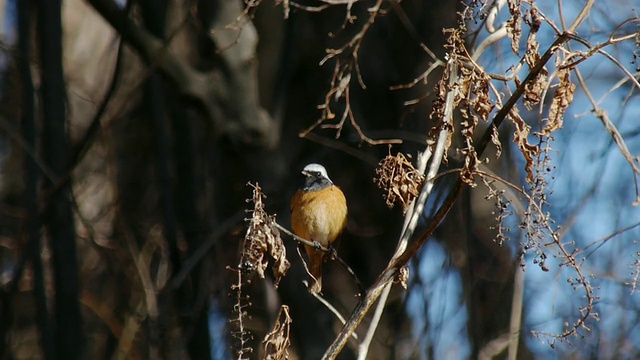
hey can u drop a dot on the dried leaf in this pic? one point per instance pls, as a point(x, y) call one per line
point(470, 166)
point(481, 103)
point(277, 342)
point(495, 139)
point(534, 89)
point(402, 182)
point(514, 25)
point(561, 101)
point(262, 238)
point(478, 103)
point(475, 107)
point(534, 20)
point(437, 113)
point(520, 137)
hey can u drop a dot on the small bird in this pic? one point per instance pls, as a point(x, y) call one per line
point(318, 213)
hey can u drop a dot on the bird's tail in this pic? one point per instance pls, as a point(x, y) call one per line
point(315, 268)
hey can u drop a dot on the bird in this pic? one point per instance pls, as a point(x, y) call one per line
point(318, 214)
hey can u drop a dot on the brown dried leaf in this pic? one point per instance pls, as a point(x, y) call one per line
point(561, 101)
point(262, 238)
point(478, 103)
point(520, 137)
point(277, 342)
point(470, 166)
point(402, 182)
point(534, 20)
point(278, 253)
point(534, 89)
point(456, 51)
point(438, 109)
point(495, 139)
point(475, 107)
point(514, 25)
point(482, 104)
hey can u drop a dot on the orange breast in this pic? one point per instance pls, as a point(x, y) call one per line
point(319, 215)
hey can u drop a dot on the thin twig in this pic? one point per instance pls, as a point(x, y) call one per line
point(363, 349)
point(613, 131)
point(28, 149)
point(411, 220)
point(142, 262)
point(297, 238)
point(570, 260)
point(397, 262)
point(342, 75)
point(583, 14)
point(330, 307)
point(363, 156)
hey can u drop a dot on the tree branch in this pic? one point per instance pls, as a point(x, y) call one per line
point(401, 258)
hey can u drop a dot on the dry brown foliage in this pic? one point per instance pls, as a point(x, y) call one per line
point(262, 245)
point(262, 242)
point(277, 342)
point(562, 98)
point(401, 181)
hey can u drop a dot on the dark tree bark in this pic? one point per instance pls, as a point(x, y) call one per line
point(32, 224)
point(57, 217)
point(189, 182)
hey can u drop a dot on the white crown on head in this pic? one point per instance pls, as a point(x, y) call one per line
point(317, 168)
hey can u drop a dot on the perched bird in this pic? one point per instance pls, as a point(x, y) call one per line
point(318, 213)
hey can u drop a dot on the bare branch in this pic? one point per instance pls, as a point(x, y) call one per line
point(581, 16)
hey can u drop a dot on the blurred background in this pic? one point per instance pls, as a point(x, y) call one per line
point(130, 129)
